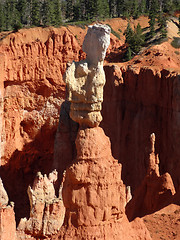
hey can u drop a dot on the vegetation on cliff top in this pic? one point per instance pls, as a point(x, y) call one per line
point(15, 14)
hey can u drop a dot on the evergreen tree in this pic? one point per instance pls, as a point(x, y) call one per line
point(44, 12)
point(11, 14)
point(82, 15)
point(112, 8)
point(176, 5)
point(103, 9)
point(127, 8)
point(167, 6)
point(76, 11)
point(48, 13)
point(135, 9)
point(163, 26)
point(7, 13)
point(91, 9)
point(22, 9)
point(35, 12)
point(152, 25)
point(128, 54)
point(15, 16)
point(120, 8)
point(69, 9)
point(2, 18)
point(135, 39)
point(57, 12)
point(128, 33)
point(142, 6)
point(154, 7)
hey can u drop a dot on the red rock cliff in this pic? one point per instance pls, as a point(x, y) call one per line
point(32, 63)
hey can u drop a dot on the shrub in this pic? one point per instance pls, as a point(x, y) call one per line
point(176, 42)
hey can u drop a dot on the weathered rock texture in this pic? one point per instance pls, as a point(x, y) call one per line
point(32, 63)
point(94, 194)
point(155, 192)
point(137, 102)
point(7, 216)
point(7, 223)
point(47, 211)
point(85, 79)
point(3, 194)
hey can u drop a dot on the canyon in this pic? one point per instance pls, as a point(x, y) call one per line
point(141, 97)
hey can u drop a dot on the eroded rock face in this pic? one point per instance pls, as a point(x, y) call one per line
point(7, 223)
point(47, 211)
point(85, 79)
point(7, 216)
point(32, 90)
point(94, 194)
point(155, 192)
point(3, 195)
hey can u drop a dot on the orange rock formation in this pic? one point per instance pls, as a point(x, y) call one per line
point(94, 194)
point(140, 97)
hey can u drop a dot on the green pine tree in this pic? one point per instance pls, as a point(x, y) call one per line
point(76, 11)
point(135, 9)
point(167, 6)
point(7, 14)
point(35, 13)
point(152, 25)
point(120, 8)
point(69, 9)
point(22, 9)
point(57, 12)
point(91, 9)
point(82, 15)
point(48, 13)
point(154, 7)
point(103, 9)
point(163, 26)
point(112, 8)
point(128, 33)
point(2, 18)
point(137, 39)
point(15, 16)
point(176, 5)
point(128, 54)
point(134, 39)
point(11, 14)
point(142, 6)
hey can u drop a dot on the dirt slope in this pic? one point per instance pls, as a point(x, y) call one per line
point(164, 224)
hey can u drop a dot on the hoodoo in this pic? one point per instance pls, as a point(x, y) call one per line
point(93, 194)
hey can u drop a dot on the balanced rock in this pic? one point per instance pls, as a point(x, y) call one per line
point(85, 79)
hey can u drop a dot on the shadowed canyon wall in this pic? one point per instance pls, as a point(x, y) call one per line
point(137, 102)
